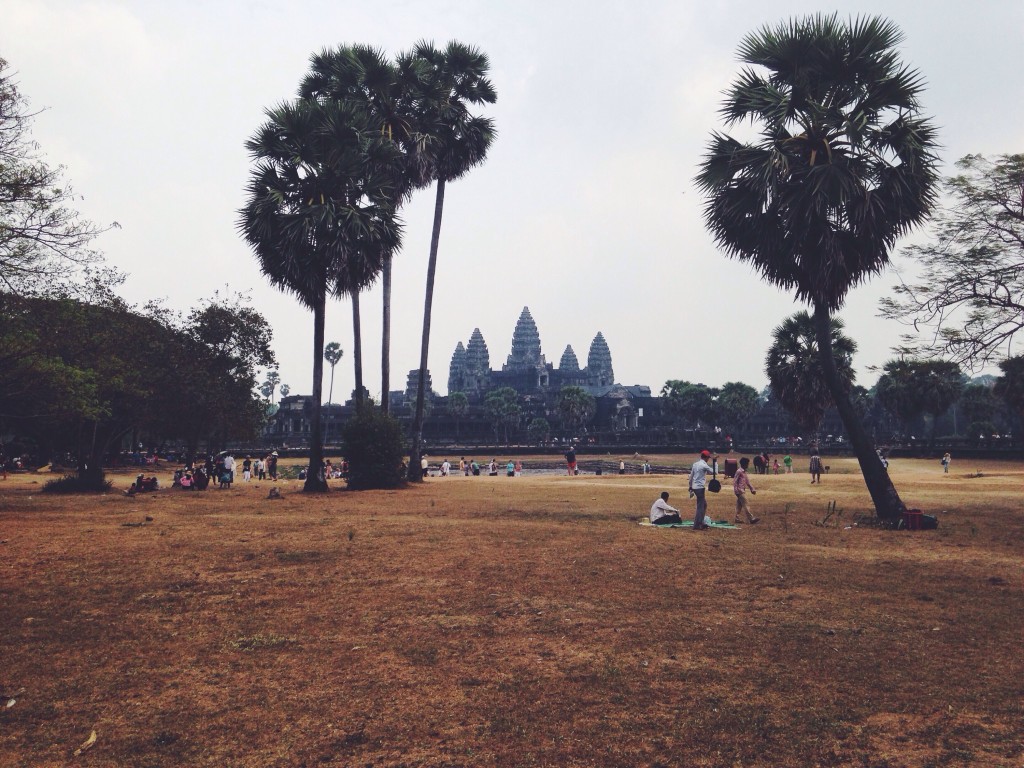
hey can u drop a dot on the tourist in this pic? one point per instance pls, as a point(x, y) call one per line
point(510, 469)
point(698, 486)
point(570, 460)
point(662, 513)
point(475, 466)
point(740, 484)
point(272, 466)
point(247, 469)
point(446, 467)
point(946, 459)
point(424, 465)
point(463, 466)
point(775, 466)
point(622, 467)
point(787, 461)
point(186, 482)
point(815, 467)
point(519, 468)
point(492, 468)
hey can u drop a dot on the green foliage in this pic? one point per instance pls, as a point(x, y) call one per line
point(374, 448)
point(842, 165)
point(793, 365)
point(539, 430)
point(736, 403)
point(77, 484)
point(692, 404)
point(576, 407)
point(968, 294)
point(911, 388)
point(1010, 386)
point(503, 410)
point(110, 370)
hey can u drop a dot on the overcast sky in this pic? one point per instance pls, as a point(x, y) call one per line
point(585, 210)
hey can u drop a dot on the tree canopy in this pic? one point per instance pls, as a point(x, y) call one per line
point(965, 300)
point(43, 240)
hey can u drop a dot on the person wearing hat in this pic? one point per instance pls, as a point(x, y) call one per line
point(698, 487)
point(272, 466)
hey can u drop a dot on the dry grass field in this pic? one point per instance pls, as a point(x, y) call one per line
point(514, 622)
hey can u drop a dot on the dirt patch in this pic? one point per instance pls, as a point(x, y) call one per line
point(513, 622)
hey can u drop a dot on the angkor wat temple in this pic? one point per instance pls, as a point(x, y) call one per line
point(526, 370)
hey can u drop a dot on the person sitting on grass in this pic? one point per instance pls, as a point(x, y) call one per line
point(186, 482)
point(662, 513)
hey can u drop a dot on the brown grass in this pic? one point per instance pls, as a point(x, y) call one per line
point(513, 622)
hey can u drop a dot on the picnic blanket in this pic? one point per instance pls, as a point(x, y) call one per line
point(689, 524)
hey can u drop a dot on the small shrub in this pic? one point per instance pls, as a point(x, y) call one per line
point(76, 484)
point(374, 448)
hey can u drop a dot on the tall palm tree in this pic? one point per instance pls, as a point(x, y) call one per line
point(793, 365)
point(447, 83)
point(362, 75)
point(318, 209)
point(842, 167)
point(273, 379)
point(332, 354)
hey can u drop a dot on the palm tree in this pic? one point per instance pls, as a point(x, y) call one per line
point(332, 354)
point(576, 407)
point(793, 365)
point(842, 167)
point(273, 379)
point(362, 75)
point(458, 407)
point(318, 210)
point(446, 84)
point(285, 389)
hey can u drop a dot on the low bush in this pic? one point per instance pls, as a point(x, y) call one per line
point(76, 484)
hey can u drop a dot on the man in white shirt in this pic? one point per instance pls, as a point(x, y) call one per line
point(698, 486)
point(662, 513)
point(229, 466)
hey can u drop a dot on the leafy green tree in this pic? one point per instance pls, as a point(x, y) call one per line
point(912, 388)
point(978, 403)
point(842, 166)
point(539, 430)
point(968, 293)
point(458, 407)
point(736, 403)
point(503, 410)
point(448, 82)
point(318, 216)
point(1010, 386)
point(332, 354)
point(374, 448)
point(793, 365)
point(694, 405)
point(576, 407)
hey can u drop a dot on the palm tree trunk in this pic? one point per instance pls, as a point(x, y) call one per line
point(357, 348)
point(385, 339)
point(330, 392)
point(888, 504)
point(314, 483)
point(415, 474)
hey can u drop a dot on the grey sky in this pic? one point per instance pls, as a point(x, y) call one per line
point(585, 210)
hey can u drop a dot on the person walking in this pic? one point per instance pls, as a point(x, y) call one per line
point(740, 485)
point(946, 459)
point(698, 487)
point(570, 460)
point(787, 461)
point(815, 467)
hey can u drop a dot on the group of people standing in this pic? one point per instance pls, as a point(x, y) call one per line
point(663, 514)
point(197, 475)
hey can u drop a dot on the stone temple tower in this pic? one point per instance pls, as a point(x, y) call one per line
point(569, 363)
point(470, 369)
point(599, 363)
point(525, 344)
